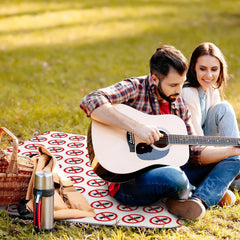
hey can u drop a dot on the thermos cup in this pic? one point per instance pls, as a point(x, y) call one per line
point(43, 201)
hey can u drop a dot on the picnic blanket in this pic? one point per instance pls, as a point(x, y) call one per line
point(71, 153)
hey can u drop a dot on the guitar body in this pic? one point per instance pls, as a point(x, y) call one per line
point(117, 155)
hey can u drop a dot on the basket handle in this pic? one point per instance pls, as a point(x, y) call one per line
point(12, 167)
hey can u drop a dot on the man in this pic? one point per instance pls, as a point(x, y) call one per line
point(159, 93)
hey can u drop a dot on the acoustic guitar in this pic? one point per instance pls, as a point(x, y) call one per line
point(117, 155)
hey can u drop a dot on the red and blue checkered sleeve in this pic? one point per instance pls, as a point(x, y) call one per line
point(118, 93)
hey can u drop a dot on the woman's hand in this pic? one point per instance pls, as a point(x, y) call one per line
point(235, 150)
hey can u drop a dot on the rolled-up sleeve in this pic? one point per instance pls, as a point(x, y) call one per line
point(195, 150)
point(92, 101)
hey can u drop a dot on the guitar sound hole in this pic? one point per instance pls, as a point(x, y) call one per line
point(163, 141)
point(143, 148)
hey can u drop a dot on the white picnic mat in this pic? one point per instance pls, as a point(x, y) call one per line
point(71, 153)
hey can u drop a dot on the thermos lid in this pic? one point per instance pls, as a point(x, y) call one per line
point(43, 180)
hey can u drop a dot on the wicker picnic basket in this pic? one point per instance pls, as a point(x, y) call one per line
point(15, 172)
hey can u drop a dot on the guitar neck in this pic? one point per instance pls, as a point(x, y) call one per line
point(203, 140)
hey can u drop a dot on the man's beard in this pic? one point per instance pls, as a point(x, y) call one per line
point(170, 98)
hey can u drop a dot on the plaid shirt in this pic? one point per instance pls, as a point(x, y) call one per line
point(139, 93)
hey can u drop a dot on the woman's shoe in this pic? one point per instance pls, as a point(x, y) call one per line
point(228, 199)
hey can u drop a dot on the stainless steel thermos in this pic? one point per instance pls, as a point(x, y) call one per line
point(43, 201)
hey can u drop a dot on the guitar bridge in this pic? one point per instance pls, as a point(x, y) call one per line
point(131, 141)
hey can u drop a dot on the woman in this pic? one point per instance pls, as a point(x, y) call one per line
point(206, 81)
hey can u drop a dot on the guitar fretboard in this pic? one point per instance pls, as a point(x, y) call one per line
point(201, 140)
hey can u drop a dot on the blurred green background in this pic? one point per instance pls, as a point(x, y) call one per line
point(53, 52)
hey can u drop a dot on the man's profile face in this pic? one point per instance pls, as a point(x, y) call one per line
point(170, 87)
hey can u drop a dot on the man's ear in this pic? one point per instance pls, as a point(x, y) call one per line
point(155, 80)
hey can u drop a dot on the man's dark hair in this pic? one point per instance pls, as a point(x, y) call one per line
point(165, 57)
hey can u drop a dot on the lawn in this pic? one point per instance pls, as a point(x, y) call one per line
point(54, 52)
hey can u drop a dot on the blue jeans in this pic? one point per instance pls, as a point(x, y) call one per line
point(221, 121)
point(154, 184)
point(212, 181)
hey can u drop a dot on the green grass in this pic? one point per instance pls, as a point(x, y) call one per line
point(52, 53)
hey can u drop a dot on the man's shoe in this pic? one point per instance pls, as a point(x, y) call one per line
point(188, 209)
point(228, 199)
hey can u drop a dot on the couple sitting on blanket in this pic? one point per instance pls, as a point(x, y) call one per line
point(204, 180)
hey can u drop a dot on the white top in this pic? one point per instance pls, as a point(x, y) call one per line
point(191, 98)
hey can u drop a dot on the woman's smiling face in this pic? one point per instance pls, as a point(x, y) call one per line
point(207, 71)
